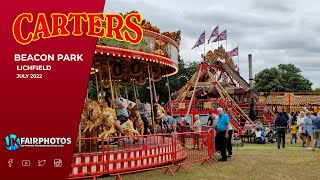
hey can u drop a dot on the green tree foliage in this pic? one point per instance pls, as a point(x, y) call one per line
point(284, 78)
point(316, 90)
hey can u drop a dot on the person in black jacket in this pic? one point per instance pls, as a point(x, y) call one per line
point(281, 125)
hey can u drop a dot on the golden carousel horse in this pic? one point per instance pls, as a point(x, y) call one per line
point(106, 117)
point(138, 121)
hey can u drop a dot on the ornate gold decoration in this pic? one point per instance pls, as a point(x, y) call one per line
point(217, 54)
point(176, 36)
point(148, 26)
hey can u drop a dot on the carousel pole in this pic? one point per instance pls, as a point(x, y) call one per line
point(194, 91)
point(169, 94)
point(125, 87)
point(151, 98)
point(154, 87)
point(111, 87)
point(97, 85)
point(100, 79)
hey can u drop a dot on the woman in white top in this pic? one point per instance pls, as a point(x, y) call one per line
point(196, 128)
point(302, 128)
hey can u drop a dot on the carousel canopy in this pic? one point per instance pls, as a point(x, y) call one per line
point(157, 53)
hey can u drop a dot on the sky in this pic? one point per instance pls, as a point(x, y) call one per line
point(273, 31)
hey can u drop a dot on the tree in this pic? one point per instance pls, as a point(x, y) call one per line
point(175, 84)
point(284, 78)
point(316, 90)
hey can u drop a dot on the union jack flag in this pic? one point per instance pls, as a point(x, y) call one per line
point(214, 33)
point(234, 52)
point(200, 40)
point(221, 37)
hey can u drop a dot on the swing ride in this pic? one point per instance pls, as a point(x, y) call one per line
point(218, 83)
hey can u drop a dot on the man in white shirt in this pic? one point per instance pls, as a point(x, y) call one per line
point(229, 145)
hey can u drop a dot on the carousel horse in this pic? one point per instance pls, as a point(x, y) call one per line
point(96, 115)
point(109, 119)
point(138, 121)
point(160, 117)
point(106, 117)
point(84, 116)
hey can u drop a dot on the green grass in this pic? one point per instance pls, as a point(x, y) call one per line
point(253, 161)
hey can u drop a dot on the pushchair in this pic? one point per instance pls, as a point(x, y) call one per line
point(270, 136)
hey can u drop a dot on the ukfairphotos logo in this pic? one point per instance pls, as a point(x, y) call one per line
point(13, 142)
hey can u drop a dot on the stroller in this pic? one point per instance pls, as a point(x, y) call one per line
point(270, 136)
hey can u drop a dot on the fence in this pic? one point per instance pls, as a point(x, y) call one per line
point(123, 155)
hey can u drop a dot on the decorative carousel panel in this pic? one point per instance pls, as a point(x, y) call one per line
point(141, 80)
point(126, 80)
point(173, 53)
point(156, 73)
point(136, 68)
point(117, 70)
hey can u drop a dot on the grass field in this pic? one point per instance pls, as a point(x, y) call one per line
point(252, 161)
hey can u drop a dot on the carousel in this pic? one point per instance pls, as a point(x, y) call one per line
point(117, 67)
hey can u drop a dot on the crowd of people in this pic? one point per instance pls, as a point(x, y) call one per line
point(305, 125)
point(301, 125)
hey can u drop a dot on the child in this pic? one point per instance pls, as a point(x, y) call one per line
point(293, 132)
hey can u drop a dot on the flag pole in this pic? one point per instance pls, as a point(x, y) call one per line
point(238, 61)
point(204, 47)
point(226, 41)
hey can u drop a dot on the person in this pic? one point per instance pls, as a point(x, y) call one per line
point(182, 128)
point(308, 124)
point(293, 130)
point(222, 136)
point(259, 136)
point(281, 125)
point(247, 128)
point(260, 126)
point(210, 120)
point(122, 114)
point(290, 116)
point(302, 128)
point(129, 109)
point(143, 112)
point(170, 120)
point(197, 129)
point(215, 122)
point(229, 144)
point(316, 131)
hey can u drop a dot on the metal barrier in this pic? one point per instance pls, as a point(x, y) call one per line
point(88, 162)
point(129, 154)
point(199, 146)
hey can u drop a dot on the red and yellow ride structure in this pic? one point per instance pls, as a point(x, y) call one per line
point(218, 83)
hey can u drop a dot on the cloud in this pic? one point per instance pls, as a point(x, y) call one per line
point(275, 6)
point(273, 31)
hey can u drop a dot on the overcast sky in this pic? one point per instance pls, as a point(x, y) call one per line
point(273, 31)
